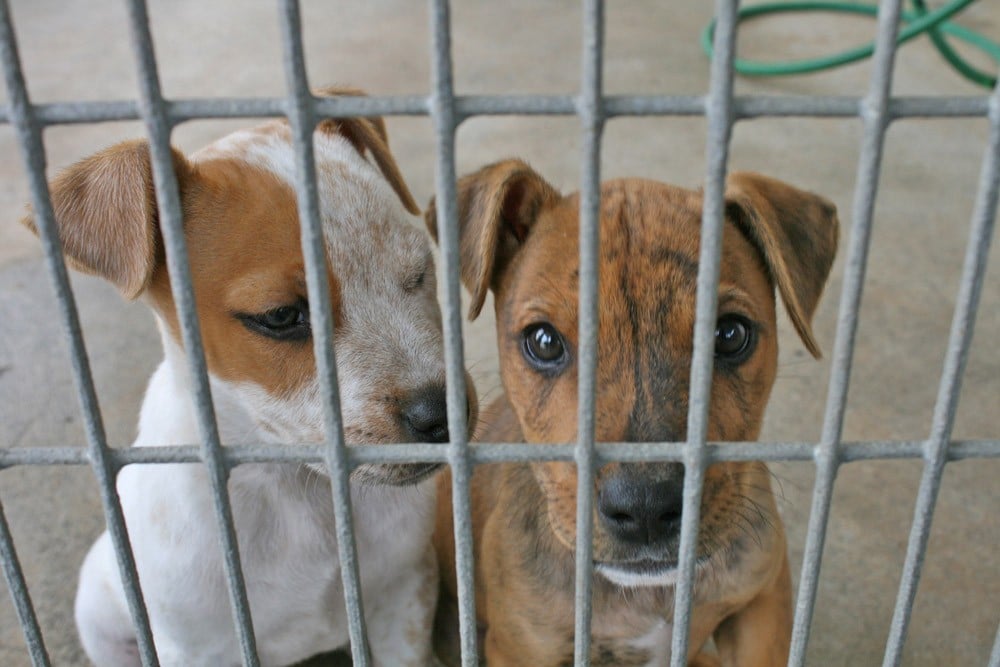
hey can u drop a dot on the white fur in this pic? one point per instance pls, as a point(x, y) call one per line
point(283, 514)
point(657, 642)
point(626, 579)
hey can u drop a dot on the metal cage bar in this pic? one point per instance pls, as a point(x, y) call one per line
point(995, 654)
point(446, 120)
point(158, 129)
point(98, 453)
point(465, 106)
point(592, 123)
point(23, 606)
point(829, 452)
point(877, 109)
point(720, 125)
point(499, 452)
point(302, 119)
point(962, 326)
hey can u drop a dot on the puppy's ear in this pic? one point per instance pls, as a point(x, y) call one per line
point(105, 211)
point(796, 233)
point(497, 206)
point(369, 134)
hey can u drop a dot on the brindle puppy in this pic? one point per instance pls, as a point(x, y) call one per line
point(519, 238)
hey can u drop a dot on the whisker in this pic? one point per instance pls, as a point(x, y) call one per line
point(746, 526)
point(763, 512)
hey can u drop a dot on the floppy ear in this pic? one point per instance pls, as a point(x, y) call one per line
point(796, 234)
point(369, 134)
point(105, 211)
point(497, 207)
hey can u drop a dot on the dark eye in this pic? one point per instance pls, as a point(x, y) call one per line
point(282, 318)
point(734, 339)
point(415, 281)
point(282, 323)
point(544, 347)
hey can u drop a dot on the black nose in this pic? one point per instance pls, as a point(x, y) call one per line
point(425, 414)
point(642, 508)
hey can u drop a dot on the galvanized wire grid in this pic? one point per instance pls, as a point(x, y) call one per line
point(877, 110)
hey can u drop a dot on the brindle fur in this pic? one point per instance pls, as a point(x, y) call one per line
point(519, 238)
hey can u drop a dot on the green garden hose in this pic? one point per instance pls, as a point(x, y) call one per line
point(920, 20)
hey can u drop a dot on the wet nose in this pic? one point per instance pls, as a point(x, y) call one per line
point(425, 414)
point(642, 511)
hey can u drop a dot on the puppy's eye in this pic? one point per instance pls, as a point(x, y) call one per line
point(734, 338)
point(282, 323)
point(544, 347)
point(415, 281)
point(283, 318)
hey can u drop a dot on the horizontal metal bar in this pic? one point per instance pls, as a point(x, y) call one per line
point(937, 107)
point(180, 111)
point(745, 107)
point(845, 107)
point(484, 453)
point(506, 105)
point(73, 113)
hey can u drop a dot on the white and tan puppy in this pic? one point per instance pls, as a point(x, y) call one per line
point(242, 230)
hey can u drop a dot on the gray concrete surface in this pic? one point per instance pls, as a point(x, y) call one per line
point(77, 50)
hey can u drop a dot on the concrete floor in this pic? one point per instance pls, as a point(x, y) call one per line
point(78, 50)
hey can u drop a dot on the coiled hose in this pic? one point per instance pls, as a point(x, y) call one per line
point(918, 21)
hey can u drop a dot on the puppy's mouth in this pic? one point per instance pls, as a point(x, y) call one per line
point(640, 573)
point(643, 573)
point(395, 474)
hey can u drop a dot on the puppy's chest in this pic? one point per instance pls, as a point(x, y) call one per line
point(651, 649)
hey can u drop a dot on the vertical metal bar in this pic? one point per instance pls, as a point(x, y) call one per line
point(158, 128)
point(30, 140)
point(590, 109)
point(995, 655)
point(442, 109)
point(719, 112)
point(874, 114)
point(19, 593)
point(302, 119)
point(962, 327)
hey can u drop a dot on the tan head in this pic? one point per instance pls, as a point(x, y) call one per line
point(519, 238)
point(242, 231)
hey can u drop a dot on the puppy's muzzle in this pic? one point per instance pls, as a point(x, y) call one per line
point(640, 506)
point(422, 417)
